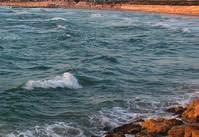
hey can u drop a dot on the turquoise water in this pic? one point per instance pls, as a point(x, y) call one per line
point(76, 73)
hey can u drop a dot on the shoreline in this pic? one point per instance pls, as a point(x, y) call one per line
point(183, 123)
point(165, 9)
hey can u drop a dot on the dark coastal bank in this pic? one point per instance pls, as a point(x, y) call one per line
point(185, 123)
point(183, 7)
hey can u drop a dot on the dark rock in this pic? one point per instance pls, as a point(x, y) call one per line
point(143, 133)
point(128, 128)
point(115, 135)
point(176, 110)
point(131, 128)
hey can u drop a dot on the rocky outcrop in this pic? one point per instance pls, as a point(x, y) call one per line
point(177, 131)
point(184, 131)
point(160, 125)
point(186, 124)
point(192, 112)
point(131, 128)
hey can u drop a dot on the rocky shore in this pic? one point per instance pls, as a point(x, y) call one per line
point(185, 123)
point(192, 10)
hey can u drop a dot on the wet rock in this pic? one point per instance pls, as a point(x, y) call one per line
point(176, 110)
point(128, 128)
point(160, 125)
point(143, 133)
point(192, 112)
point(195, 133)
point(131, 128)
point(115, 135)
point(191, 131)
point(177, 131)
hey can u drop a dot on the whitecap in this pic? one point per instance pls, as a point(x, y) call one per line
point(66, 80)
point(185, 30)
point(96, 15)
point(22, 12)
point(59, 129)
point(124, 22)
point(57, 18)
point(161, 24)
point(172, 27)
point(61, 27)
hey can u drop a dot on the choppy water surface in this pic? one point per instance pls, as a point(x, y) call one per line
point(76, 73)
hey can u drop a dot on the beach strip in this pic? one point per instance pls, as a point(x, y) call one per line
point(167, 9)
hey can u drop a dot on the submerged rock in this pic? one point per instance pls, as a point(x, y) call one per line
point(192, 112)
point(160, 125)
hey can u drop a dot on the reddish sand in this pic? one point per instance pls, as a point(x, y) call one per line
point(184, 10)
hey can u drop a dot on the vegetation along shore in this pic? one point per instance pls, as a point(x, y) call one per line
point(184, 7)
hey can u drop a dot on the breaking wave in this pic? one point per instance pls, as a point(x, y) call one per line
point(171, 27)
point(61, 27)
point(96, 15)
point(22, 12)
point(66, 80)
point(110, 118)
point(59, 129)
point(58, 18)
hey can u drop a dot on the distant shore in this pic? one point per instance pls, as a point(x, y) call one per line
point(167, 9)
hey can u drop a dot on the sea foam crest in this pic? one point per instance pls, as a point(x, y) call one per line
point(66, 80)
point(61, 27)
point(59, 129)
point(58, 18)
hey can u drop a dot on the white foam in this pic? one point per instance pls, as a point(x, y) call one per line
point(66, 80)
point(161, 24)
point(96, 15)
point(128, 135)
point(61, 27)
point(60, 129)
point(172, 26)
point(186, 30)
point(22, 12)
point(110, 118)
point(58, 18)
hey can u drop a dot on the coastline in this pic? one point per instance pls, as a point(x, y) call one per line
point(166, 9)
point(183, 123)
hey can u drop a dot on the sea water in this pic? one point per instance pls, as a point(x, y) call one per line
point(77, 73)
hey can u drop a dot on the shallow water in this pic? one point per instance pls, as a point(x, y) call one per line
point(76, 73)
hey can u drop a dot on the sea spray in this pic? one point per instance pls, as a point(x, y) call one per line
point(66, 80)
point(58, 129)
